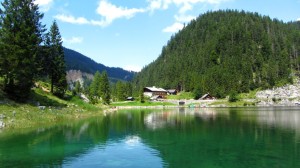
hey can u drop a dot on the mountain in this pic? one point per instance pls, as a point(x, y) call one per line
point(77, 61)
point(226, 51)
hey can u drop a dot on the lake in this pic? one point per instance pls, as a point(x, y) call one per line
point(201, 137)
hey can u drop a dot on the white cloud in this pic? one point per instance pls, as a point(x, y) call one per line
point(110, 12)
point(173, 28)
point(184, 5)
point(73, 40)
point(298, 19)
point(159, 4)
point(44, 4)
point(72, 19)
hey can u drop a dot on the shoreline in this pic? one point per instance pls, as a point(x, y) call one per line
point(25, 116)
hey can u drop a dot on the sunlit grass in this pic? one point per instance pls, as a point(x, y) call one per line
point(43, 108)
point(182, 95)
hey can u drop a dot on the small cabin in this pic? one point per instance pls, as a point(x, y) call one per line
point(207, 97)
point(154, 91)
point(172, 92)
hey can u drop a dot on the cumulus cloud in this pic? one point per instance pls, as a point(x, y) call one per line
point(44, 4)
point(107, 11)
point(184, 5)
point(173, 28)
point(71, 19)
point(159, 4)
point(73, 40)
point(111, 12)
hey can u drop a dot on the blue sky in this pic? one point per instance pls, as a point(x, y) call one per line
point(131, 33)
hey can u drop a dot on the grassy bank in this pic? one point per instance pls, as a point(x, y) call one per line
point(43, 109)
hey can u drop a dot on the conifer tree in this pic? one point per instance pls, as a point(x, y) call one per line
point(77, 88)
point(20, 37)
point(94, 88)
point(105, 88)
point(57, 68)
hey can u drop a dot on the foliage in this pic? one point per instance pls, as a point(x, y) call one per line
point(105, 92)
point(225, 51)
point(182, 95)
point(100, 88)
point(78, 88)
point(122, 90)
point(20, 37)
point(55, 62)
point(142, 97)
point(233, 96)
point(94, 88)
point(197, 93)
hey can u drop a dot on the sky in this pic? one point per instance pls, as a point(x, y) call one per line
point(131, 33)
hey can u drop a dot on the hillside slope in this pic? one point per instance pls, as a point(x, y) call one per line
point(77, 61)
point(225, 51)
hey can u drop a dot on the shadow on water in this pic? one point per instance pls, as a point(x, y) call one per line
point(201, 137)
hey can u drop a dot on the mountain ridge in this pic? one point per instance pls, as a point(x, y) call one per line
point(226, 51)
point(77, 61)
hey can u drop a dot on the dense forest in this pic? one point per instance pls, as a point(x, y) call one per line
point(226, 51)
point(27, 51)
point(76, 61)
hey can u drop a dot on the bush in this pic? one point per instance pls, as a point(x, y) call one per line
point(233, 97)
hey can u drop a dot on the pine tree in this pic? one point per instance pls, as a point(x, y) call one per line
point(20, 37)
point(77, 89)
point(104, 90)
point(94, 88)
point(57, 68)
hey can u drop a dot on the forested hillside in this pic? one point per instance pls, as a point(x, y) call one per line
point(226, 51)
point(77, 61)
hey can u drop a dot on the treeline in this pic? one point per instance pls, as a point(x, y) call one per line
point(101, 90)
point(27, 51)
point(226, 51)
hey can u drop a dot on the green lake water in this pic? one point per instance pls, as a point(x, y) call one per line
point(205, 137)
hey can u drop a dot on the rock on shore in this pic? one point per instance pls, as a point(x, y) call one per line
point(288, 95)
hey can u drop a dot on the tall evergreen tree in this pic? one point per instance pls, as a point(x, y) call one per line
point(57, 68)
point(20, 37)
point(94, 88)
point(104, 90)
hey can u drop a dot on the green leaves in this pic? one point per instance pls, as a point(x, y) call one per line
point(100, 88)
point(55, 64)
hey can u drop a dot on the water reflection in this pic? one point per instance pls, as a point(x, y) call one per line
point(200, 137)
point(128, 152)
point(156, 120)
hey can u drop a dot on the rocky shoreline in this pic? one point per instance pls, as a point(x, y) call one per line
point(288, 95)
